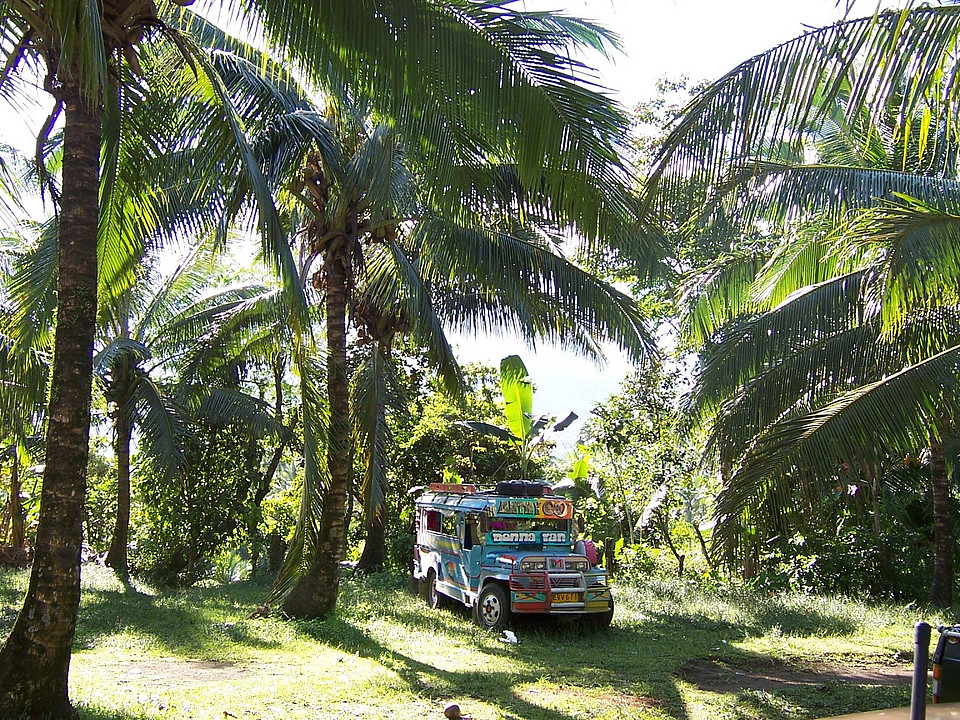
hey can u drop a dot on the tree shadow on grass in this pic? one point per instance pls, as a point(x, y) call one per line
point(194, 622)
point(803, 623)
point(177, 625)
point(754, 685)
point(552, 660)
point(648, 657)
point(87, 712)
point(467, 688)
point(758, 620)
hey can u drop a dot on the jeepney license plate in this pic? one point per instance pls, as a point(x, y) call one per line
point(566, 597)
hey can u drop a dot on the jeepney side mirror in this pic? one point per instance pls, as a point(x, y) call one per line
point(579, 524)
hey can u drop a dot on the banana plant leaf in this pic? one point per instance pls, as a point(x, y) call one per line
point(517, 395)
point(490, 430)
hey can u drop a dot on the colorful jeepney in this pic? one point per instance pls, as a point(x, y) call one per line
point(507, 551)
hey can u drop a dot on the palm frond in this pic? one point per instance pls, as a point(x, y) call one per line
point(790, 385)
point(225, 136)
point(392, 281)
point(32, 289)
point(717, 294)
point(224, 407)
point(892, 416)
point(121, 347)
point(374, 392)
point(779, 97)
point(450, 72)
point(164, 426)
point(26, 373)
point(784, 193)
point(747, 349)
point(921, 267)
point(302, 548)
point(516, 282)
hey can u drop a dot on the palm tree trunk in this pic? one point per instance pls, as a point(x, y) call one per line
point(316, 593)
point(117, 555)
point(35, 659)
point(263, 487)
point(374, 547)
point(279, 365)
point(122, 390)
point(375, 503)
point(18, 530)
point(941, 589)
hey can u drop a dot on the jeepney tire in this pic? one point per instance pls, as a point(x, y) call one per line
point(429, 590)
point(492, 610)
point(600, 621)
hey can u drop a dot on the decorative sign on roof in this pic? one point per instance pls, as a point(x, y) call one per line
point(549, 507)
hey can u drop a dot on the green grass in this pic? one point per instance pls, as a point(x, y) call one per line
point(196, 654)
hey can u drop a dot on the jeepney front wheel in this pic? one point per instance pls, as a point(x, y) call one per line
point(492, 610)
point(599, 621)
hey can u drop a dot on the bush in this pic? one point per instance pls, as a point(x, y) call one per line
point(183, 522)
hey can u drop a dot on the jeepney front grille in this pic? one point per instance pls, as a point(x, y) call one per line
point(527, 583)
point(539, 581)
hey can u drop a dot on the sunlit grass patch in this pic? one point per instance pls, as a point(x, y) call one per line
point(145, 652)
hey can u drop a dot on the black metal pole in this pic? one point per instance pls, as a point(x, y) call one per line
point(921, 649)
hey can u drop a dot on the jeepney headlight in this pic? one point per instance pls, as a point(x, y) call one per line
point(581, 565)
point(531, 565)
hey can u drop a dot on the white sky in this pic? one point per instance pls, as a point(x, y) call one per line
point(702, 39)
point(699, 38)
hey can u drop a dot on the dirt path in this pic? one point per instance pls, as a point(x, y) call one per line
point(169, 672)
point(719, 676)
point(711, 675)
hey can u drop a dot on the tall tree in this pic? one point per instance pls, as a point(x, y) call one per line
point(355, 205)
point(150, 330)
point(35, 658)
point(850, 368)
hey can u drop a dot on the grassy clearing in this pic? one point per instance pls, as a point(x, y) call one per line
point(674, 651)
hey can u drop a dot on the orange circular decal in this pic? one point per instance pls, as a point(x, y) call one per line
point(551, 508)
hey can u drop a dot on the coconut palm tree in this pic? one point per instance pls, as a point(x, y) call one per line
point(852, 367)
point(368, 201)
point(90, 63)
point(25, 367)
point(148, 340)
point(144, 333)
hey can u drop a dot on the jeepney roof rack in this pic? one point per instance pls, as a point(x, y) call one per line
point(506, 488)
point(457, 488)
point(510, 488)
point(523, 488)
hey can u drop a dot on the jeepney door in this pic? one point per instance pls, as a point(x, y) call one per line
point(471, 543)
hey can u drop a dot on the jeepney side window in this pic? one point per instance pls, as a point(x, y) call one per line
point(448, 524)
point(471, 531)
point(433, 520)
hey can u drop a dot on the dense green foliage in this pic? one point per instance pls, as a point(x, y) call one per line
point(183, 522)
point(826, 356)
